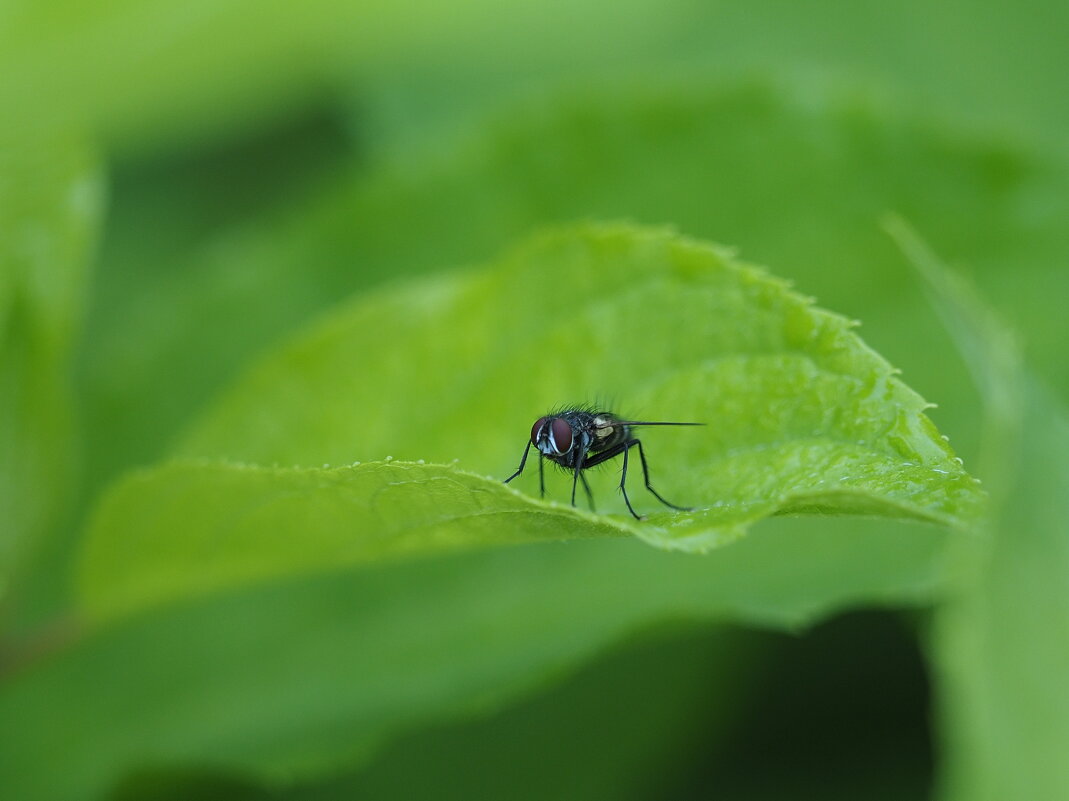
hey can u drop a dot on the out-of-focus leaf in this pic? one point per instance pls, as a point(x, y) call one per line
point(992, 66)
point(687, 683)
point(990, 350)
point(1002, 650)
point(622, 729)
point(295, 678)
point(50, 203)
point(149, 72)
point(1002, 645)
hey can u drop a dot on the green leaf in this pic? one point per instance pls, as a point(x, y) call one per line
point(1001, 72)
point(673, 686)
point(1001, 646)
point(294, 678)
point(676, 682)
point(50, 205)
point(143, 75)
point(186, 529)
point(1002, 650)
point(802, 418)
point(799, 410)
point(138, 70)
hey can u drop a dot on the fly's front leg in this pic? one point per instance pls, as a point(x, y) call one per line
point(523, 461)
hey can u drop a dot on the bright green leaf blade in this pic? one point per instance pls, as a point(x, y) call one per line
point(184, 530)
point(50, 205)
point(800, 413)
point(295, 678)
point(803, 418)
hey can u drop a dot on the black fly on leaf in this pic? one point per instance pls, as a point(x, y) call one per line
point(578, 438)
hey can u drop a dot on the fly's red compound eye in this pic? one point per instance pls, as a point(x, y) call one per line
point(536, 429)
point(561, 434)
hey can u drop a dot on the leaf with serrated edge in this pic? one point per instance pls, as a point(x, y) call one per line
point(802, 417)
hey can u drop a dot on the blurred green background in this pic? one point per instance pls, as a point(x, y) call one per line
point(184, 187)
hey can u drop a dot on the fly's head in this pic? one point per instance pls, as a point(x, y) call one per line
point(553, 436)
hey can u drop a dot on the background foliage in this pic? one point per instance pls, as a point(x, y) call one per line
point(242, 247)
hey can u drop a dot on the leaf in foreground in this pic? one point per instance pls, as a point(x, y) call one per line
point(803, 417)
point(293, 679)
point(188, 529)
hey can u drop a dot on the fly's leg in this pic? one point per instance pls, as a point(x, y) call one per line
point(623, 478)
point(646, 475)
point(589, 494)
point(523, 461)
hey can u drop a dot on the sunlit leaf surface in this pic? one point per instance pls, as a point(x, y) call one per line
point(802, 417)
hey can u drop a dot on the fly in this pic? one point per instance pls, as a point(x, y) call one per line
point(579, 438)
